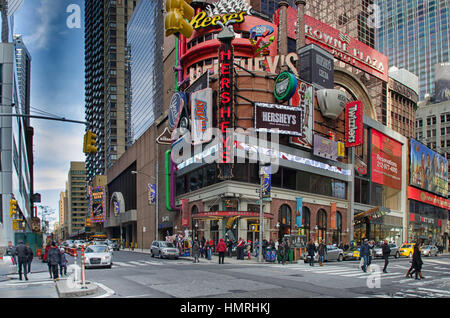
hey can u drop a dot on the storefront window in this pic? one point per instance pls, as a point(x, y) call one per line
point(321, 234)
point(305, 228)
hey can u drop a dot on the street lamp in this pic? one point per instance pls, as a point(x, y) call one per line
point(157, 195)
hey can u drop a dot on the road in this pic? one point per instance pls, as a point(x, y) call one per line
point(137, 275)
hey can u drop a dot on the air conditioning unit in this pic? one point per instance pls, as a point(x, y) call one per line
point(331, 102)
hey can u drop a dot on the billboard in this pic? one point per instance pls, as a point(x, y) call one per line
point(325, 148)
point(280, 119)
point(201, 116)
point(428, 169)
point(386, 160)
point(97, 204)
point(304, 98)
point(354, 124)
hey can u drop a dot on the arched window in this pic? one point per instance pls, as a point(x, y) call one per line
point(284, 220)
point(321, 234)
point(194, 210)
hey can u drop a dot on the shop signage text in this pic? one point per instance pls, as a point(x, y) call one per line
point(202, 20)
point(353, 124)
point(231, 213)
point(428, 198)
point(201, 119)
point(280, 119)
point(386, 160)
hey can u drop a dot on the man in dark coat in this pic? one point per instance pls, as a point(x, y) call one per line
point(364, 253)
point(322, 251)
point(54, 259)
point(22, 256)
point(311, 249)
point(386, 252)
point(30, 257)
point(417, 262)
point(196, 250)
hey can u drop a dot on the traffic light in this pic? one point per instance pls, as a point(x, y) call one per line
point(88, 222)
point(17, 225)
point(12, 207)
point(178, 11)
point(90, 140)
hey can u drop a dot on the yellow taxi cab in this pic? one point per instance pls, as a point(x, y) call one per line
point(407, 249)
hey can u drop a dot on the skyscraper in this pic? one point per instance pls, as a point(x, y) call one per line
point(415, 35)
point(23, 63)
point(77, 204)
point(145, 43)
point(105, 68)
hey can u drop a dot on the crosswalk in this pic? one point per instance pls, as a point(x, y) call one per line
point(419, 292)
point(141, 263)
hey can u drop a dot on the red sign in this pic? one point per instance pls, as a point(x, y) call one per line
point(185, 212)
point(386, 160)
point(333, 216)
point(354, 124)
point(225, 109)
point(428, 198)
point(232, 213)
point(342, 46)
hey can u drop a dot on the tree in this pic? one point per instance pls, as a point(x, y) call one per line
point(47, 215)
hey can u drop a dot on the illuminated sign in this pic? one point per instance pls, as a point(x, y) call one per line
point(201, 116)
point(428, 198)
point(285, 85)
point(386, 160)
point(202, 20)
point(353, 124)
point(225, 114)
point(97, 204)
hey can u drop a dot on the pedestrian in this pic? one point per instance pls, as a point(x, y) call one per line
point(209, 249)
point(386, 252)
point(240, 249)
point(286, 251)
point(230, 247)
point(196, 250)
point(30, 257)
point(221, 249)
point(54, 260)
point(364, 253)
point(264, 246)
point(311, 249)
point(203, 247)
point(11, 251)
point(257, 248)
point(322, 251)
point(64, 262)
point(249, 249)
point(22, 257)
point(281, 253)
point(417, 263)
point(277, 244)
point(45, 259)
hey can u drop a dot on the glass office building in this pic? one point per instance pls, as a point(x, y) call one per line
point(145, 42)
point(415, 35)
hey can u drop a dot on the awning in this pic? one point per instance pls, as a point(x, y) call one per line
point(224, 214)
point(373, 213)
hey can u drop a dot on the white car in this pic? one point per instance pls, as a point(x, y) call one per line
point(79, 243)
point(429, 250)
point(98, 256)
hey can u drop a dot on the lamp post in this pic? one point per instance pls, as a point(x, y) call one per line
point(157, 200)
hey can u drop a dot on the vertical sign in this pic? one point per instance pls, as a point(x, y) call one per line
point(333, 215)
point(304, 98)
point(225, 115)
point(267, 178)
point(151, 193)
point(185, 212)
point(353, 124)
point(201, 116)
point(299, 212)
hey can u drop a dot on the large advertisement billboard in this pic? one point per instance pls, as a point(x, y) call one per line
point(386, 160)
point(428, 169)
point(97, 204)
point(304, 97)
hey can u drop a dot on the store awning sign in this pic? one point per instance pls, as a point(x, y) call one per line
point(273, 118)
point(230, 214)
point(354, 124)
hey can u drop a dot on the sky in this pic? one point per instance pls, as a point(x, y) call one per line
point(57, 87)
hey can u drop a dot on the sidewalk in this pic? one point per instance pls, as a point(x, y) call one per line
point(37, 266)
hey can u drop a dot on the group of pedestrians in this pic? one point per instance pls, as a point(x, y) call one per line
point(56, 260)
point(22, 255)
point(416, 264)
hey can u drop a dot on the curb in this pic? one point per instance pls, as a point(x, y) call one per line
point(64, 292)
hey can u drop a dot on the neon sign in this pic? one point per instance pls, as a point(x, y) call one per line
point(202, 20)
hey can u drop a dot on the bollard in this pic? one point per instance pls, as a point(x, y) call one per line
point(83, 285)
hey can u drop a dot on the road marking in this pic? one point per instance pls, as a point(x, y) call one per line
point(152, 263)
point(436, 261)
point(136, 263)
point(123, 264)
point(109, 291)
point(434, 290)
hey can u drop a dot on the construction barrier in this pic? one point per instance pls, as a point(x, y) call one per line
point(71, 251)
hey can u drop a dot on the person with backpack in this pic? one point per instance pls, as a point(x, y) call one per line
point(386, 252)
point(22, 257)
point(54, 260)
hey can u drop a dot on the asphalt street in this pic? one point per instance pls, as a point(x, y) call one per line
point(137, 275)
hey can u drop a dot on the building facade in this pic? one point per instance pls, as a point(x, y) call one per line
point(145, 42)
point(77, 204)
point(105, 80)
point(415, 36)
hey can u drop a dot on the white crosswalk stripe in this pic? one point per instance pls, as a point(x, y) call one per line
point(123, 264)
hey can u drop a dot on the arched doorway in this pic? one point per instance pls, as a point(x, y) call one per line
point(284, 220)
point(321, 231)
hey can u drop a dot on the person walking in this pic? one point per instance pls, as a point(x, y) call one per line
point(311, 249)
point(322, 251)
point(364, 253)
point(386, 252)
point(221, 249)
point(11, 251)
point(417, 263)
point(203, 247)
point(30, 257)
point(230, 247)
point(257, 248)
point(54, 260)
point(249, 249)
point(22, 257)
point(240, 249)
point(45, 259)
point(196, 250)
point(64, 262)
point(287, 250)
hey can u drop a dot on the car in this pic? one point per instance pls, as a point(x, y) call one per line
point(79, 243)
point(69, 243)
point(430, 250)
point(352, 253)
point(333, 254)
point(164, 249)
point(98, 256)
point(407, 249)
point(115, 245)
point(378, 249)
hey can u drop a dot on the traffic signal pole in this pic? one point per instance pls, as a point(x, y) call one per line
point(45, 117)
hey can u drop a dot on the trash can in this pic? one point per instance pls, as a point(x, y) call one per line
point(291, 255)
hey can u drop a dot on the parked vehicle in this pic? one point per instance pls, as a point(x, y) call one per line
point(333, 254)
point(352, 253)
point(378, 249)
point(69, 243)
point(79, 243)
point(98, 256)
point(164, 249)
point(407, 249)
point(430, 250)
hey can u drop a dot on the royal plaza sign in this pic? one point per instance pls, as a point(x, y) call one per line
point(340, 45)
